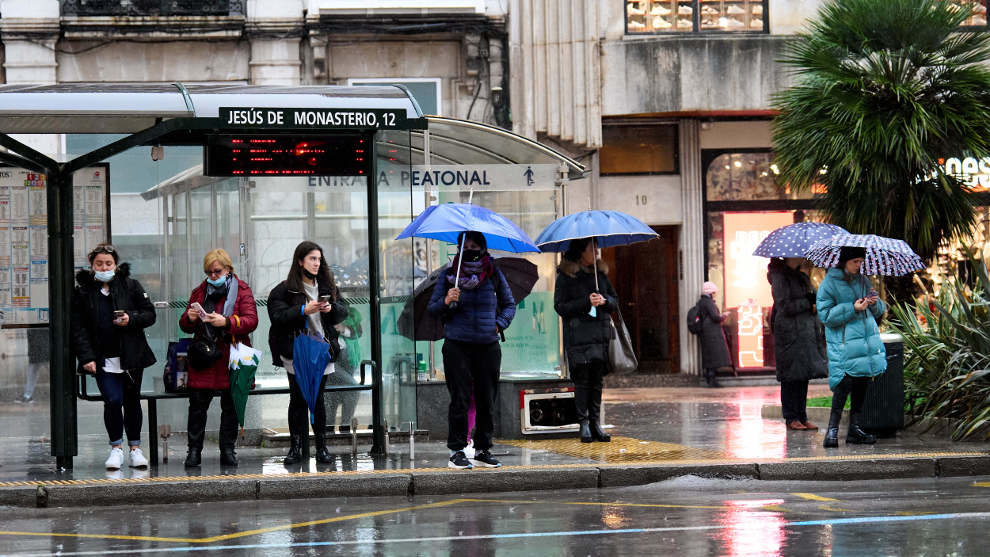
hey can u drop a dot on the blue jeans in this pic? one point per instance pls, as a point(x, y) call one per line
point(122, 405)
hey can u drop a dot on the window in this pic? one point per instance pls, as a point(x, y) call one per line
point(639, 149)
point(426, 90)
point(692, 16)
point(979, 12)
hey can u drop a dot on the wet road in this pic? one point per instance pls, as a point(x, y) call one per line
point(686, 516)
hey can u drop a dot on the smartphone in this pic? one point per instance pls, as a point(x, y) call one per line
point(198, 308)
point(118, 314)
point(873, 294)
point(326, 298)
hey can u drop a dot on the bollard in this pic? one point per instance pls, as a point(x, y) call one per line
point(165, 431)
point(388, 447)
point(412, 441)
point(354, 426)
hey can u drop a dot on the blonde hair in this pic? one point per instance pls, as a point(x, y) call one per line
point(220, 256)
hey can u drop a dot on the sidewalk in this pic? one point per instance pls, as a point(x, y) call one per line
point(658, 433)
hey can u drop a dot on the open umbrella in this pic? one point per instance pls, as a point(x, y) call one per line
point(310, 356)
point(884, 256)
point(243, 366)
point(794, 240)
point(417, 323)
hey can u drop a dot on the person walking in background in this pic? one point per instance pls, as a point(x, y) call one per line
point(349, 331)
point(307, 298)
point(850, 309)
point(220, 311)
point(797, 342)
point(586, 333)
point(475, 308)
point(110, 312)
point(714, 347)
point(38, 357)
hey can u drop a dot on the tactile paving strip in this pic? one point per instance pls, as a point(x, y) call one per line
point(619, 450)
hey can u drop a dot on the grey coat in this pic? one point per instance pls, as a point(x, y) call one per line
point(798, 336)
point(714, 348)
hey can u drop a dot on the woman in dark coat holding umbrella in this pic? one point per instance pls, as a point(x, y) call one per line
point(714, 348)
point(797, 338)
point(586, 336)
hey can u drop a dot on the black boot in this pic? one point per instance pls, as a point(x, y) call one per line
point(586, 432)
point(295, 451)
point(322, 454)
point(598, 433)
point(193, 457)
point(711, 376)
point(855, 435)
point(594, 413)
point(832, 433)
point(228, 457)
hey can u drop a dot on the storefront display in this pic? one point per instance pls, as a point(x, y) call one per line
point(658, 16)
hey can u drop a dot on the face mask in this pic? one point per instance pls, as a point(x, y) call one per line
point(104, 276)
point(472, 255)
point(217, 282)
point(309, 275)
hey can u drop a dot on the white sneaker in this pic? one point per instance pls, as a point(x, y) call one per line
point(116, 459)
point(137, 458)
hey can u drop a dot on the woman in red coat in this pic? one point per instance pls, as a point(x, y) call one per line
point(220, 309)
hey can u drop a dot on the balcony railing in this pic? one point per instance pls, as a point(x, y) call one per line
point(147, 8)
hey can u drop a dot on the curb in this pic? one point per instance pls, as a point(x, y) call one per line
point(440, 481)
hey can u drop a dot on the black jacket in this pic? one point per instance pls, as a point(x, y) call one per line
point(714, 348)
point(125, 294)
point(287, 320)
point(798, 336)
point(586, 338)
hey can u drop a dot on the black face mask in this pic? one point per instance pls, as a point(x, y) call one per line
point(309, 275)
point(472, 255)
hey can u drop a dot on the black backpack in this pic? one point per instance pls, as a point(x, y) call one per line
point(694, 320)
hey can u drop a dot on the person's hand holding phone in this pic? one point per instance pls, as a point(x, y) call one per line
point(327, 305)
point(120, 318)
point(215, 319)
point(872, 297)
point(313, 307)
point(861, 304)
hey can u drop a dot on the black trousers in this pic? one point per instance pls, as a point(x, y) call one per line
point(588, 384)
point(199, 407)
point(794, 400)
point(855, 386)
point(468, 369)
point(299, 411)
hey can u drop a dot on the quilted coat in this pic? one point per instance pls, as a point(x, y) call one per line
point(853, 337)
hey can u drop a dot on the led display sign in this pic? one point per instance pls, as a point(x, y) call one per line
point(287, 155)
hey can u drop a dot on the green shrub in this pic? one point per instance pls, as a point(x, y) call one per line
point(947, 355)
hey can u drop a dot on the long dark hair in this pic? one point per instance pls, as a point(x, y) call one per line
point(576, 248)
point(324, 276)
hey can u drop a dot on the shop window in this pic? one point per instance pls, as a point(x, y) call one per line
point(639, 149)
point(693, 16)
point(979, 11)
point(747, 176)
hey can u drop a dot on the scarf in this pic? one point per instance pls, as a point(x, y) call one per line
point(472, 273)
point(213, 295)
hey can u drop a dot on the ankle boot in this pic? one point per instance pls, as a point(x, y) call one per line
point(597, 433)
point(586, 432)
point(228, 457)
point(193, 457)
point(295, 450)
point(832, 433)
point(855, 435)
point(322, 454)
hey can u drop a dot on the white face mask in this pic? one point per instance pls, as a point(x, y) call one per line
point(104, 276)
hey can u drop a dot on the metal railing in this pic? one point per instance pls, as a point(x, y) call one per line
point(152, 7)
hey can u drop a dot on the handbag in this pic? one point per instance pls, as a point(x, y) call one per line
point(621, 357)
point(203, 351)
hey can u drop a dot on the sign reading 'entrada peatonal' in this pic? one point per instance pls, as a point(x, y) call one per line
point(312, 118)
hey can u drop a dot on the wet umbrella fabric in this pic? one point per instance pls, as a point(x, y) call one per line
point(310, 356)
point(794, 240)
point(446, 222)
point(608, 228)
point(243, 366)
point(884, 256)
point(416, 323)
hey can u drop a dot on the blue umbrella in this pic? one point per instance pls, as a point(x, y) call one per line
point(608, 228)
point(884, 256)
point(310, 356)
point(446, 222)
point(795, 239)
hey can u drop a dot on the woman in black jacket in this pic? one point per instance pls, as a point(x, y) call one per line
point(798, 339)
point(110, 312)
point(308, 297)
point(714, 348)
point(585, 310)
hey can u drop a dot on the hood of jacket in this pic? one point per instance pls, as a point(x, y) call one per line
point(86, 279)
point(571, 268)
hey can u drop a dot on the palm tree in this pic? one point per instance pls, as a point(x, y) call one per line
point(883, 89)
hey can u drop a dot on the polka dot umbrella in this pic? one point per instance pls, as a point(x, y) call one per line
point(884, 256)
point(795, 239)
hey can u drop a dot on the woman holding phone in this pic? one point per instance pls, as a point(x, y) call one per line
point(110, 312)
point(221, 311)
point(850, 309)
point(307, 299)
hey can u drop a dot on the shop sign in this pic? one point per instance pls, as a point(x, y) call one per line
point(974, 172)
point(311, 118)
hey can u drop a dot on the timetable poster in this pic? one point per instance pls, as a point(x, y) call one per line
point(24, 236)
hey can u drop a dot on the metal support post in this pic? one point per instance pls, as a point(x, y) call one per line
point(60, 281)
point(378, 445)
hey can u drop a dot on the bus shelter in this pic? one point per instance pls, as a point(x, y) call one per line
point(347, 167)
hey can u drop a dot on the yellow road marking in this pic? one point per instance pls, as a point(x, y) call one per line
point(834, 509)
point(813, 497)
point(981, 484)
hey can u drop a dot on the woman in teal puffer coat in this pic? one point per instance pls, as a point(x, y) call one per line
point(850, 309)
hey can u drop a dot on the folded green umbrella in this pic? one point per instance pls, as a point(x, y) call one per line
point(243, 365)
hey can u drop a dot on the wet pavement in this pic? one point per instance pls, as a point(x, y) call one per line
point(654, 425)
point(686, 516)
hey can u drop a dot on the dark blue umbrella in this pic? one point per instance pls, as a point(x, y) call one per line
point(446, 222)
point(794, 240)
point(608, 228)
point(310, 356)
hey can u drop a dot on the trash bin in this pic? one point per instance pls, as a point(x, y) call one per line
point(883, 409)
